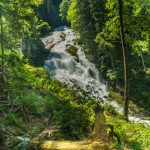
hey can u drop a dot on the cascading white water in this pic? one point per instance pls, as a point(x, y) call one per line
point(75, 69)
point(72, 70)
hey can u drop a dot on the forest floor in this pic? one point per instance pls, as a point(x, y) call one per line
point(97, 141)
point(42, 142)
point(72, 145)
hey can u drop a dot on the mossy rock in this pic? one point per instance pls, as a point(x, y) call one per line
point(63, 36)
point(72, 50)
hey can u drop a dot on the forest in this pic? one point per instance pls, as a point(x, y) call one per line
point(74, 74)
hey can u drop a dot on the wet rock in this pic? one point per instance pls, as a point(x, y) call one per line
point(72, 50)
point(63, 36)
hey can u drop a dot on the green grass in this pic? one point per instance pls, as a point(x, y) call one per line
point(133, 135)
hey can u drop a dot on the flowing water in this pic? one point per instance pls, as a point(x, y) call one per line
point(68, 64)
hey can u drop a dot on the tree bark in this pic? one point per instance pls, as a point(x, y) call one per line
point(100, 127)
point(126, 76)
point(2, 45)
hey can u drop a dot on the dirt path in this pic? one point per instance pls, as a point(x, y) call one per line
point(72, 145)
point(97, 141)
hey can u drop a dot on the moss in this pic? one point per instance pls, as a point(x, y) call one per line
point(72, 50)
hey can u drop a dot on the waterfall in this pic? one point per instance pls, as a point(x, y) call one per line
point(68, 64)
point(73, 69)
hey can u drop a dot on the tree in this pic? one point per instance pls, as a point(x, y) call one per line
point(19, 18)
point(2, 45)
point(80, 15)
point(99, 21)
point(20, 21)
point(49, 12)
point(126, 76)
point(63, 8)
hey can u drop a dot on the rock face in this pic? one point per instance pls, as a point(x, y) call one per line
point(72, 50)
point(34, 50)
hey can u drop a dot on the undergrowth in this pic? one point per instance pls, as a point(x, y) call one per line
point(133, 135)
point(30, 101)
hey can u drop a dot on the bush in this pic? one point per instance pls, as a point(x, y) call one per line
point(13, 119)
point(133, 135)
point(30, 91)
point(74, 119)
point(33, 103)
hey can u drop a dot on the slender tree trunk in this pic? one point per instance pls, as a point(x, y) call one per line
point(2, 45)
point(126, 77)
point(143, 61)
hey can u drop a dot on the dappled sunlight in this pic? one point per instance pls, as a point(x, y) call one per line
point(74, 75)
point(97, 141)
point(71, 145)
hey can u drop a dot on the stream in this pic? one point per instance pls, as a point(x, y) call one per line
point(68, 64)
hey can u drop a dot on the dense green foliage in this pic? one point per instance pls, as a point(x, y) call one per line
point(29, 93)
point(30, 100)
point(21, 28)
point(133, 135)
point(18, 18)
point(49, 12)
point(98, 22)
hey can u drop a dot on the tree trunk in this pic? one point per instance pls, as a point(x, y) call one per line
point(2, 45)
point(126, 77)
point(143, 61)
point(100, 126)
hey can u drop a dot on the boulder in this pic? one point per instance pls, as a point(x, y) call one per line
point(72, 50)
point(34, 50)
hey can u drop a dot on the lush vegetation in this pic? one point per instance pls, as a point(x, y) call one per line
point(98, 25)
point(133, 135)
point(49, 12)
point(30, 100)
